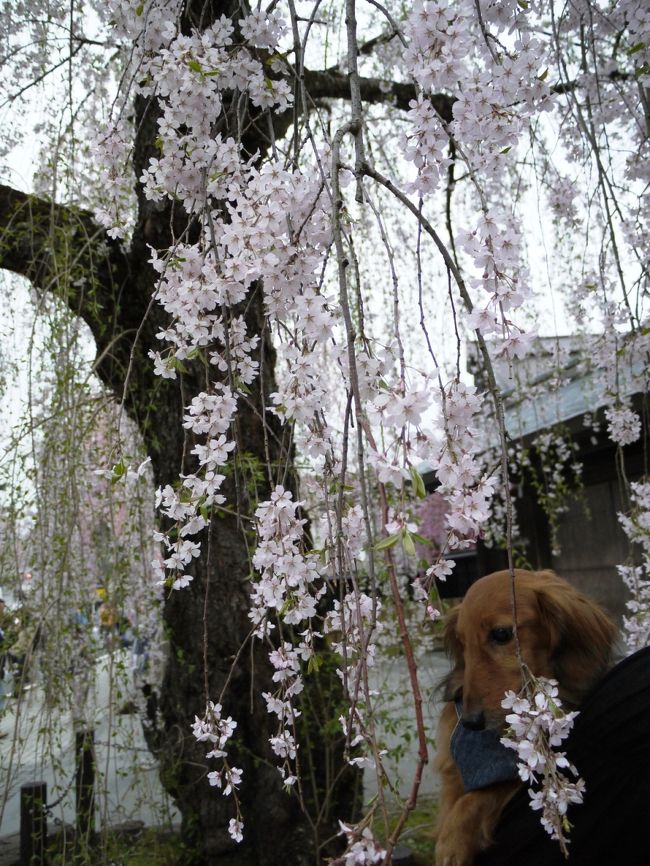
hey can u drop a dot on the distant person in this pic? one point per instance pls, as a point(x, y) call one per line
point(22, 648)
point(107, 622)
point(140, 658)
point(6, 639)
point(3, 636)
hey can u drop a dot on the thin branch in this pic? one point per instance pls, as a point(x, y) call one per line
point(396, 30)
point(14, 96)
point(487, 362)
point(356, 104)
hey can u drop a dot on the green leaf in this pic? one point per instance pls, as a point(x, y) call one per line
point(385, 543)
point(639, 46)
point(241, 386)
point(139, 9)
point(195, 66)
point(506, 149)
point(119, 471)
point(523, 4)
point(418, 483)
point(421, 539)
point(314, 664)
point(642, 70)
point(277, 55)
point(407, 543)
point(543, 76)
point(289, 604)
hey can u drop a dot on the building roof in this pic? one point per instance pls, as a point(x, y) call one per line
point(549, 392)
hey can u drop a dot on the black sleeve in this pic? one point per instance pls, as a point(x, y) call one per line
point(610, 747)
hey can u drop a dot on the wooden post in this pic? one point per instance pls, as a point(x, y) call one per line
point(33, 824)
point(85, 787)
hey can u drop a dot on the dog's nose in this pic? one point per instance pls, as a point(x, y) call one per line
point(473, 721)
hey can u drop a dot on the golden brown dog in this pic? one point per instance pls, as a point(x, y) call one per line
point(562, 635)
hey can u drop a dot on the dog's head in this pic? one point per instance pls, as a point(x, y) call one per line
point(562, 635)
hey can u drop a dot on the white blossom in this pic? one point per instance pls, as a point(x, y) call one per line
point(536, 726)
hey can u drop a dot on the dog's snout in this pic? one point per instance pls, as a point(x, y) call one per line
point(474, 721)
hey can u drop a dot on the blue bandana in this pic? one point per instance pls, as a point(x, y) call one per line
point(481, 758)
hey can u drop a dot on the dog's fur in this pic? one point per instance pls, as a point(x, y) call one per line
point(562, 634)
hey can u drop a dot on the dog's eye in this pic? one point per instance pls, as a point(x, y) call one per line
point(501, 634)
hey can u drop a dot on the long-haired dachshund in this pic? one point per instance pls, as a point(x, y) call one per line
point(562, 635)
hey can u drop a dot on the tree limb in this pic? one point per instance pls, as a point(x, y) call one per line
point(332, 84)
point(61, 250)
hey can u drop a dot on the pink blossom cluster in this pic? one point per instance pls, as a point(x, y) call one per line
point(637, 577)
point(497, 83)
point(148, 25)
point(623, 424)
point(399, 412)
point(500, 280)
point(210, 415)
point(113, 148)
point(216, 730)
point(191, 299)
point(286, 661)
point(537, 725)
point(463, 480)
point(188, 77)
point(620, 361)
point(352, 621)
point(288, 588)
point(355, 625)
point(362, 847)
point(289, 579)
point(354, 531)
point(496, 71)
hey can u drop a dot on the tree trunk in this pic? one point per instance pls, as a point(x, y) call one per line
point(207, 624)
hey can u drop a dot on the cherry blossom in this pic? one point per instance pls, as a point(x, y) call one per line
point(637, 577)
point(536, 726)
point(361, 414)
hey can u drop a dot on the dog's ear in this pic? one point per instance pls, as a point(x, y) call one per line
point(453, 682)
point(581, 635)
